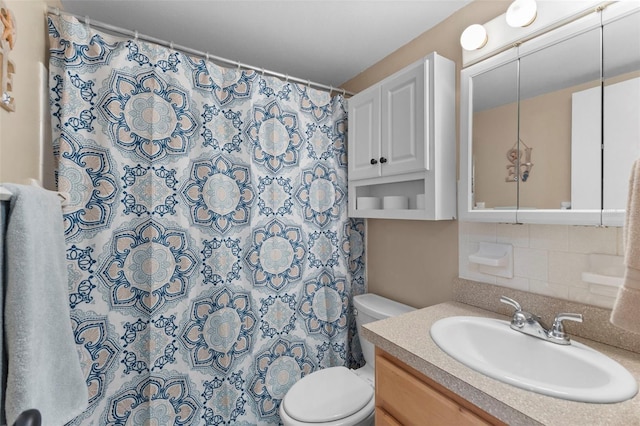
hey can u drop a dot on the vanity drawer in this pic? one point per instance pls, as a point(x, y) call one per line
point(415, 400)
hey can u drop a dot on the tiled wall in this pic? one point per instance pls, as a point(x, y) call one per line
point(548, 259)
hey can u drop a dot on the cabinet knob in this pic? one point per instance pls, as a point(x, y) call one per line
point(383, 160)
point(374, 161)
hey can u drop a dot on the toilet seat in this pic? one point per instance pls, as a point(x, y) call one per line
point(334, 396)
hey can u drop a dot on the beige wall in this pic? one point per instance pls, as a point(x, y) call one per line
point(415, 262)
point(20, 130)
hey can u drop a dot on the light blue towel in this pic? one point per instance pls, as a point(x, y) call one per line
point(4, 214)
point(44, 369)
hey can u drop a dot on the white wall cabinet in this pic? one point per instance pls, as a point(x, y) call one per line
point(387, 126)
point(402, 142)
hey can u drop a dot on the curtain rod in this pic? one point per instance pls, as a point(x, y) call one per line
point(184, 49)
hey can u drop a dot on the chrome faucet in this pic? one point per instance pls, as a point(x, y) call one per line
point(532, 325)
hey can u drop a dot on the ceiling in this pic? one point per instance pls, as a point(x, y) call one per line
point(327, 42)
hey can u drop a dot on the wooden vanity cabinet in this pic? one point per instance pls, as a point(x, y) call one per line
point(405, 396)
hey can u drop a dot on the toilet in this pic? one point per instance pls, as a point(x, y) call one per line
point(338, 396)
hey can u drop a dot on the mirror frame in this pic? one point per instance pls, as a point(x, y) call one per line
point(466, 212)
point(465, 196)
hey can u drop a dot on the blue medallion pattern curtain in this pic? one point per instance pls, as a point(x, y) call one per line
point(211, 261)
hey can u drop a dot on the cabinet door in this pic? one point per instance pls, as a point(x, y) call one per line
point(409, 400)
point(364, 135)
point(403, 122)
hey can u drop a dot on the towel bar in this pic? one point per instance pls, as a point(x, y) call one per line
point(6, 195)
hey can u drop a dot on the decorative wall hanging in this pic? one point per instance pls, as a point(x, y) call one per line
point(7, 66)
point(515, 156)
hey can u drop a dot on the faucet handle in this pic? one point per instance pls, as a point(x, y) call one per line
point(519, 317)
point(557, 329)
point(570, 317)
point(509, 301)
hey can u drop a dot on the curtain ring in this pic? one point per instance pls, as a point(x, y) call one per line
point(57, 11)
point(330, 89)
point(262, 72)
point(308, 84)
point(238, 62)
point(286, 79)
point(171, 45)
point(206, 56)
point(87, 21)
point(344, 92)
point(135, 36)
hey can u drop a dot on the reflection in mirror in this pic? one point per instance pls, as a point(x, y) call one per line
point(566, 106)
point(494, 138)
point(621, 128)
point(562, 136)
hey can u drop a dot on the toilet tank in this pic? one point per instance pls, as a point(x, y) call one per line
point(371, 307)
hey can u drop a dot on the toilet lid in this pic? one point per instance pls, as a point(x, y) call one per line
point(327, 395)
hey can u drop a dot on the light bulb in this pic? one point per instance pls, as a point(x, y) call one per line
point(473, 37)
point(522, 13)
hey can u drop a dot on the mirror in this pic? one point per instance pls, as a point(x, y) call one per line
point(549, 80)
point(495, 131)
point(550, 128)
point(621, 124)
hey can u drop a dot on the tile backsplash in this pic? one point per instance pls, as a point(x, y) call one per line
point(548, 259)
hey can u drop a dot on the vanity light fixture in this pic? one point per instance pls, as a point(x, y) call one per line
point(473, 37)
point(522, 13)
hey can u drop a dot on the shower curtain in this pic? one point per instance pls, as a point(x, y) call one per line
point(211, 261)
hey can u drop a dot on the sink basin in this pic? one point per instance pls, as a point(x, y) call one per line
point(575, 372)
